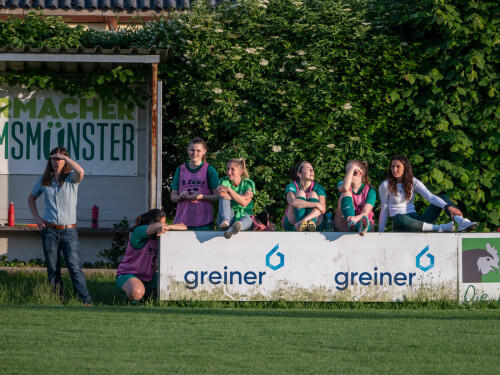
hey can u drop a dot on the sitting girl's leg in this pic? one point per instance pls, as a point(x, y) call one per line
point(347, 207)
point(312, 214)
point(407, 223)
point(412, 223)
point(299, 213)
point(363, 223)
point(246, 223)
point(226, 214)
point(338, 220)
point(432, 212)
point(133, 288)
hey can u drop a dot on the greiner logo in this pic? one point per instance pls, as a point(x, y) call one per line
point(194, 278)
point(344, 279)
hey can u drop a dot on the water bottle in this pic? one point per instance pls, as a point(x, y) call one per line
point(95, 216)
point(328, 222)
point(11, 216)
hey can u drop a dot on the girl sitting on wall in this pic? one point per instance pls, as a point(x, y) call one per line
point(306, 200)
point(137, 274)
point(356, 201)
point(397, 194)
point(236, 192)
point(194, 189)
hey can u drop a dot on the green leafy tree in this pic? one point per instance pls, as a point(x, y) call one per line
point(326, 81)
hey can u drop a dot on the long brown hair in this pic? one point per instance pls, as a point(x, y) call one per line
point(363, 165)
point(242, 165)
point(198, 140)
point(48, 174)
point(407, 177)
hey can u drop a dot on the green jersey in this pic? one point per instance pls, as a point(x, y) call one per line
point(244, 186)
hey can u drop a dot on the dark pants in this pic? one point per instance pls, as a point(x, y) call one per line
point(414, 222)
point(66, 240)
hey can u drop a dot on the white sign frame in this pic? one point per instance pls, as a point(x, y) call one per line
point(315, 266)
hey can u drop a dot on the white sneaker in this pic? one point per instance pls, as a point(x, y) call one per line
point(467, 226)
point(235, 228)
point(224, 225)
point(448, 227)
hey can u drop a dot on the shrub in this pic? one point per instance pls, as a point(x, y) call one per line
point(328, 81)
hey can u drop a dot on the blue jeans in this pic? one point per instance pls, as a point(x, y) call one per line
point(55, 240)
point(227, 213)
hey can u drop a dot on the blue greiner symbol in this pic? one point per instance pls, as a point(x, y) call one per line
point(281, 257)
point(430, 256)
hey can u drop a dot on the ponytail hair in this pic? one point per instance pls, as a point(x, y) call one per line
point(198, 140)
point(363, 165)
point(242, 164)
point(152, 216)
point(297, 168)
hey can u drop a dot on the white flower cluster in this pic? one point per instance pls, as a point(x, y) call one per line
point(263, 62)
point(217, 90)
point(239, 75)
point(347, 106)
point(276, 148)
point(251, 51)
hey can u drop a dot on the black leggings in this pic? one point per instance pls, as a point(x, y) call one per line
point(413, 222)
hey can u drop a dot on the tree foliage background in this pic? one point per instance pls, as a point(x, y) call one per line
point(326, 81)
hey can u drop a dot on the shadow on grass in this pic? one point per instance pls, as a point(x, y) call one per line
point(32, 288)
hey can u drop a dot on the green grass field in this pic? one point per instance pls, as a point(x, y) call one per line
point(41, 334)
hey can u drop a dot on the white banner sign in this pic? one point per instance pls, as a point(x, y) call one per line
point(100, 134)
point(307, 266)
point(479, 267)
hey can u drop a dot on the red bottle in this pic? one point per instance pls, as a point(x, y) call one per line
point(12, 213)
point(95, 216)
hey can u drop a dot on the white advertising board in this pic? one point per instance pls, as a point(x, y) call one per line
point(479, 267)
point(100, 134)
point(266, 266)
